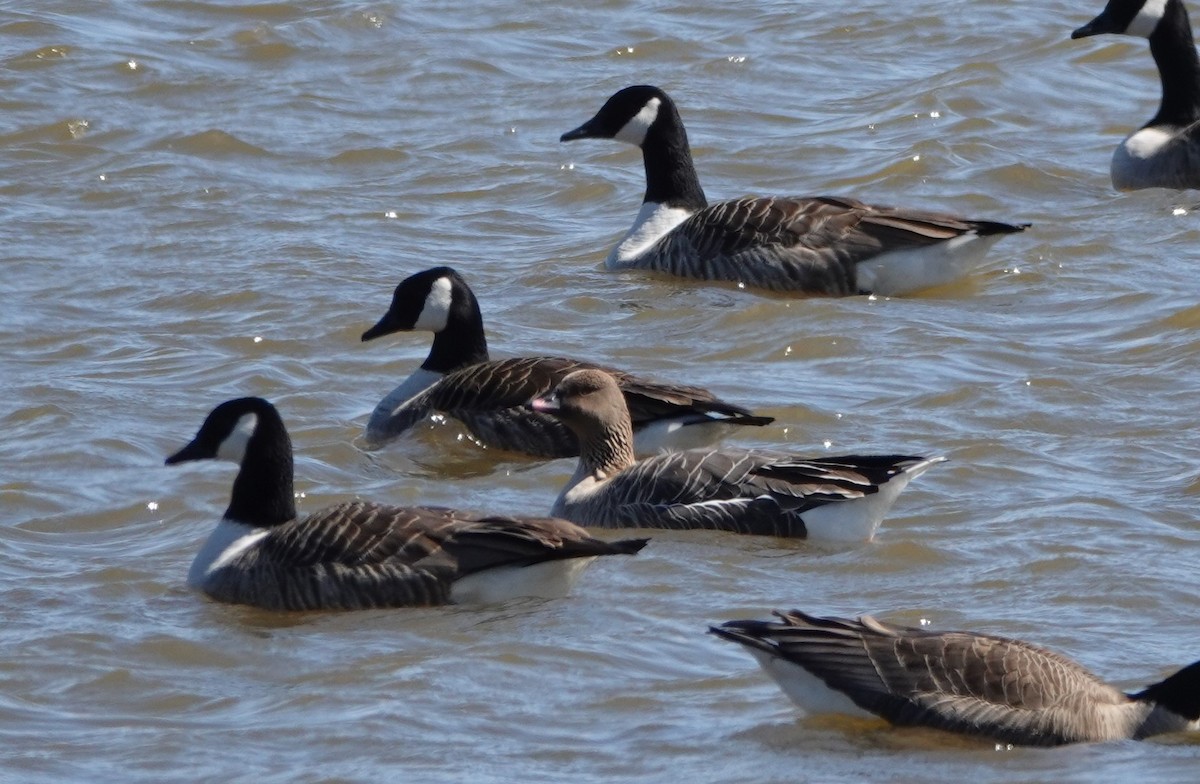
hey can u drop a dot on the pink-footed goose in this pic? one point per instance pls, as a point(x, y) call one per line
point(827, 498)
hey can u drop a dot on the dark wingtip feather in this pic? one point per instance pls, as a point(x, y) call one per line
point(748, 633)
point(997, 227)
point(628, 546)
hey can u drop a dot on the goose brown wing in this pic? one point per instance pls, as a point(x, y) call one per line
point(499, 384)
point(649, 401)
point(746, 492)
point(978, 684)
point(811, 243)
point(357, 534)
point(487, 542)
point(700, 475)
point(510, 383)
point(444, 541)
point(775, 243)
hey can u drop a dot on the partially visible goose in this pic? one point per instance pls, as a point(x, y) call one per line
point(488, 396)
point(357, 555)
point(820, 245)
point(1165, 152)
point(831, 498)
point(998, 688)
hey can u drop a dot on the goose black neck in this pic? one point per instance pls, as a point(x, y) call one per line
point(462, 342)
point(262, 492)
point(671, 177)
point(1174, 52)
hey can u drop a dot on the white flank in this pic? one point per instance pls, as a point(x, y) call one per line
point(634, 132)
point(420, 380)
point(652, 223)
point(858, 519)
point(224, 544)
point(903, 271)
point(546, 580)
point(809, 692)
point(1147, 19)
point(678, 435)
point(435, 314)
point(233, 448)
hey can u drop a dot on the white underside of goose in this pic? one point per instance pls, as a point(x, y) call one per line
point(857, 520)
point(546, 580)
point(229, 540)
point(420, 380)
point(806, 690)
point(903, 271)
point(653, 222)
point(678, 435)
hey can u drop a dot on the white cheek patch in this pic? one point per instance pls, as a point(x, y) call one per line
point(1147, 19)
point(634, 132)
point(233, 448)
point(435, 314)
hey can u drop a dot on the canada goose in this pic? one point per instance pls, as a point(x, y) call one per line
point(458, 379)
point(822, 245)
point(1003, 689)
point(358, 555)
point(831, 498)
point(1165, 152)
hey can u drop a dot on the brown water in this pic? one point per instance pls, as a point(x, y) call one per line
point(205, 199)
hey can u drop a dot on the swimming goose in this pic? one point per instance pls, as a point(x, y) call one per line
point(358, 555)
point(998, 688)
point(821, 245)
point(1165, 152)
point(831, 498)
point(458, 379)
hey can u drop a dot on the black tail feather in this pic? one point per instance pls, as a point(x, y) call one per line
point(1179, 693)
